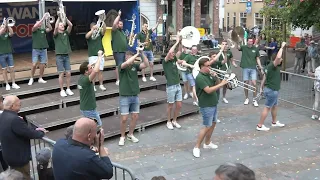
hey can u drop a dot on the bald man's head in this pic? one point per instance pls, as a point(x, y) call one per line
point(12, 103)
point(85, 130)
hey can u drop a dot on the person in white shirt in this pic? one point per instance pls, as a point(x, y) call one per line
point(316, 74)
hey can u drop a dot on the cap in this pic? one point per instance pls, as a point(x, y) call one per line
point(43, 156)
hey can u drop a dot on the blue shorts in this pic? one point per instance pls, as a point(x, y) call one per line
point(249, 74)
point(129, 104)
point(6, 60)
point(39, 55)
point(191, 79)
point(119, 57)
point(184, 76)
point(149, 55)
point(92, 114)
point(271, 97)
point(174, 93)
point(63, 63)
point(209, 115)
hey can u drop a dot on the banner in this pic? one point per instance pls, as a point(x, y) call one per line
point(81, 14)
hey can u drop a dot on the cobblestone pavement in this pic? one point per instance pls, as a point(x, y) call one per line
point(291, 152)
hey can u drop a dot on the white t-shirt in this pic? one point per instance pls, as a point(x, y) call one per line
point(317, 81)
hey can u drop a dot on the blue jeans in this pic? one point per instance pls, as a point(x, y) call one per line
point(191, 79)
point(39, 55)
point(271, 97)
point(63, 63)
point(184, 76)
point(174, 93)
point(92, 114)
point(214, 43)
point(129, 104)
point(249, 74)
point(149, 55)
point(6, 60)
point(119, 57)
point(209, 115)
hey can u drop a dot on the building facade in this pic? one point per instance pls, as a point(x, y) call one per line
point(243, 13)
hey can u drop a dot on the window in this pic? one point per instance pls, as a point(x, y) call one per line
point(234, 14)
point(258, 15)
point(228, 1)
point(228, 14)
point(243, 0)
point(243, 19)
point(243, 15)
point(234, 1)
point(258, 20)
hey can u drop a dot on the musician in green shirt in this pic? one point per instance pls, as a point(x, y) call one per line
point(181, 54)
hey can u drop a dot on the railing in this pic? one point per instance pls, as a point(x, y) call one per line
point(120, 171)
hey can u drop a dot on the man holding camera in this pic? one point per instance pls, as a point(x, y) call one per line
point(88, 103)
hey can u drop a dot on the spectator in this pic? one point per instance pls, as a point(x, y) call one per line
point(73, 159)
point(69, 132)
point(3, 164)
point(214, 42)
point(316, 87)
point(273, 49)
point(15, 137)
point(158, 178)
point(312, 57)
point(43, 158)
point(300, 49)
point(11, 174)
point(235, 171)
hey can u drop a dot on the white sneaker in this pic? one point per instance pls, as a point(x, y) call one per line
point(191, 94)
point(152, 78)
point(262, 128)
point(15, 86)
point(246, 102)
point(63, 93)
point(144, 79)
point(255, 103)
point(117, 83)
point(30, 82)
point(69, 92)
point(185, 96)
point(314, 117)
point(102, 88)
point(210, 146)
point(8, 87)
point(175, 124)
point(196, 152)
point(122, 140)
point(195, 103)
point(277, 124)
point(132, 138)
point(169, 125)
point(41, 81)
point(218, 121)
point(225, 100)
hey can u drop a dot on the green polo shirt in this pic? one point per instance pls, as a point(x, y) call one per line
point(171, 71)
point(206, 100)
point(190, 59)
point(62, 44)
point(119, 41)
point(87, 94)
point(273, 77)
point(129, 84)
point(39, 39)
point(249, 56)
point(5, 44)
point(182, 56)
point(95, 45)
point(142, 37)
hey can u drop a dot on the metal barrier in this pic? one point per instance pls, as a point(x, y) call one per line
point(38, 144)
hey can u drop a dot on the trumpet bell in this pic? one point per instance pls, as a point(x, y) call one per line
point(190, 36)
point(52, 19)
point(11, 22)
point(100, 12)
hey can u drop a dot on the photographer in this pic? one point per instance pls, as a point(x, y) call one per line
point(73, 158)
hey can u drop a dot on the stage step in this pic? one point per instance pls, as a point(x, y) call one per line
point(70, 114)
point(148, 116)
point(55, 101)
point(53, 86)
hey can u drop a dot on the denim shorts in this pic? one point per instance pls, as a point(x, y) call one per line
point(174, 93)
point(149, 55)
point(249, 74)
point(6, 60)
point(129, 104)
point(93, 60)
point(184, 76)
point(119, 57)
point(63, 63)
point(191, 79)
point(92, 114)
point(271, 97)
point(209, 115)
point(39, 55)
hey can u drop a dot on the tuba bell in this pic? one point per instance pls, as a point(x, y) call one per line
point(236, 36)
point(100, 23)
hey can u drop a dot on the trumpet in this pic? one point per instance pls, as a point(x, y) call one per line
point(49, 19)
point(132, 36)
point(8, 22)
point(62, 15)
point(100, 23)
point(232, 79)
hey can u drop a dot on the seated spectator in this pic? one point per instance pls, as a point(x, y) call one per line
point(69, 132)
point(206, 41)
point(214, 41)
point(73, 159)
point(11, 174)
point(43, 158)
point(235, 171)
point(158, 178)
